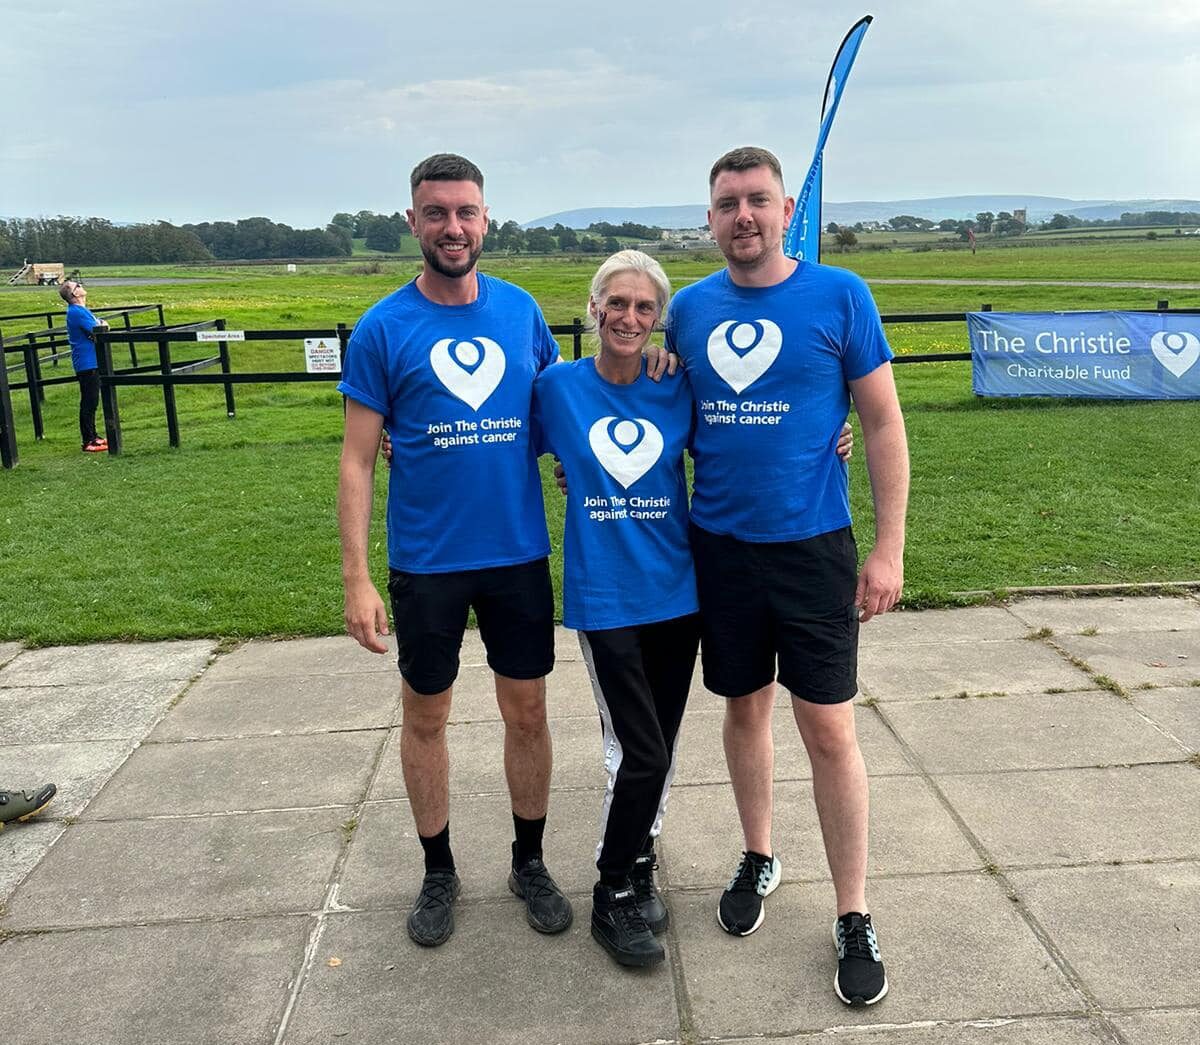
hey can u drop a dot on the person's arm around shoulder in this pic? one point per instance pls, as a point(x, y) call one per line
point(365, 613)
point(881, 579)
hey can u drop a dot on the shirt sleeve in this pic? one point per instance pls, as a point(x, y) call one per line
point(866, 347)
point(364, 370)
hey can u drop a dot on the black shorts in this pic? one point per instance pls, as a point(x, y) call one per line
point(792, 601)
point(514, 606)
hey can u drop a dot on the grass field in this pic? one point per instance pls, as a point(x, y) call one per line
point(234, 533)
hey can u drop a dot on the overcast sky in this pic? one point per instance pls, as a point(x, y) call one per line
point(186, 110)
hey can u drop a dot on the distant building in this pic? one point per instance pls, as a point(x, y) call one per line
point(1019, 215)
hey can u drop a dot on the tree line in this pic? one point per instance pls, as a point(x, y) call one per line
point(95, 241)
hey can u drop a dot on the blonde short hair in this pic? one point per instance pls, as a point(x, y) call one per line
point(628, 261)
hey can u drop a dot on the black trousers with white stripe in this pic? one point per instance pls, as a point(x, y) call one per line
point(640, 678)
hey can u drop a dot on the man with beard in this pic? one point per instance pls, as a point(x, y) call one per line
point(446, 364)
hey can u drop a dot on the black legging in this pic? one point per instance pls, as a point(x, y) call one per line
point(640, 678)
point(89, 399)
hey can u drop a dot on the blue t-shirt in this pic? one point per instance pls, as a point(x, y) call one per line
point(768, 367)
point(80, 323)
point(626, 559)
point(453, 383)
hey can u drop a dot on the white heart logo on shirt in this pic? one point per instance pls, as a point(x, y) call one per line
point(742, 352)
point(626, 449)
point(1178, 352)
point(470, 370)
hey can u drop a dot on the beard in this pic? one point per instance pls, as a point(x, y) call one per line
point(454, 270)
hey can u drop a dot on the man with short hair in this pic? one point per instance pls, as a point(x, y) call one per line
point(81, 326)
point(775, 349)
point(446, 363)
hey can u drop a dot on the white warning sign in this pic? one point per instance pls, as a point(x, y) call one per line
point(322, 355)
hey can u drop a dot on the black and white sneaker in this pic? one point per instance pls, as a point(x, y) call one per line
point(649, 899)
point(740, 911)
point(860, 977)
point(618, 926)
point(431, 920)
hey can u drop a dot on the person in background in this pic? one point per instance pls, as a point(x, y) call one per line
point(81, 325)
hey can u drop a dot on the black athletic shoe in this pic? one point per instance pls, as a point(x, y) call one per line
point(21, 805)
point(431, 921)
point(546, 909)
point(740, 911)
point(618, 927)
point(649, 899)
point(860, 977)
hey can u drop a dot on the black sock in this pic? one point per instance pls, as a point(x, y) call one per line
point(529, 839)
point(613, 880)
point(437, 850)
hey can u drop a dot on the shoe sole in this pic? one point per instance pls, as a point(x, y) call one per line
point(772, 885)
point(630, 961)
point(855, 1000)
point(436, 941)
point(515, 888)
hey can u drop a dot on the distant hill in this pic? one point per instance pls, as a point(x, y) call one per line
point(1039, 208)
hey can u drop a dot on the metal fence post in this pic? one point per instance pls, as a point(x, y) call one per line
point(164, 360)
point(223, 352)
point(1163, 306)
point(577, 338)
point(108, 392)
point(8, 437)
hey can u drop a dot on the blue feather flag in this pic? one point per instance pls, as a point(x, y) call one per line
point(803, 237)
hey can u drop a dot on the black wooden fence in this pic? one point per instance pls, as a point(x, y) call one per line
point(169, 373)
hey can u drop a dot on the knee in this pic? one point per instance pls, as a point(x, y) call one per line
point(831, 742)
point(425, 721)
point(528, 717)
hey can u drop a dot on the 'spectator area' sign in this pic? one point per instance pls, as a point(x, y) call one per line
point(1100, 355)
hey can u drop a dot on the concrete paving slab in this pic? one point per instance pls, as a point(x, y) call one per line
point(910, 832)
point(209, 983)
point(568, 693)
point(922, 671)
point(1048, 1030)
point(492, 982)
point(78, 770)
point(386, 864)
point(333, 655)
point(1159, 1028)
point(1029, 731)
point(1129, 932)
point(972, 625)
point(1157, 658)
point(1109, 614)
point(702, 751)
point(21, 847)
point(282, 705)
point(1082, 815)
point(477, 758)
point(108, 711)
point(107, 662)
point(146, 870)
point(8, 650)
point(1177, 710)
point(780, 979)
point(214, 776)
